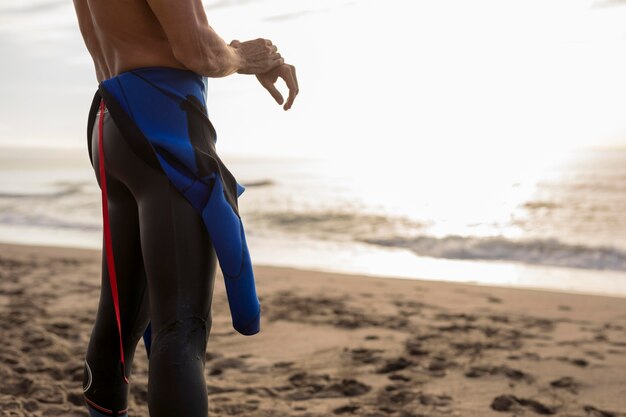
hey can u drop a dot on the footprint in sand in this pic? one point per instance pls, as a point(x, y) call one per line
point(47, 394)
point(73, 372)
point(34, 338)
point(17, 387)
point(512, 403)
point(346, 409)
point(322, 309)
point(525, 355)
point(223, 409)
point(499, 319)
point(438, 365)
point(409, 307)
point(60, 328)
point(399, 377)
point(511, 373)
point(396, 364)
point(214, 389)
point(30, 405)
point(77, 398)
point(567, 382)
point(365, 355)
point(218, 367)
point(580, 362)
point(304, 386)
point(395, 397)
point(415, 348)
point(209, 356)
point(596, 412)
point(595, 354)
point(283, 364)
point(435, 400)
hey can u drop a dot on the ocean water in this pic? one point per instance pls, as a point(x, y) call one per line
point(563, 230)
point(444, 141)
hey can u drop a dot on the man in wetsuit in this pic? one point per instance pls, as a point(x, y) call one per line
point(148, 216)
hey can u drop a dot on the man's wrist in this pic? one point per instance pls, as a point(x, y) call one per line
point(239, 61)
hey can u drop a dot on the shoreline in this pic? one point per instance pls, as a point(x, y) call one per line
point(86, 251)
point(331, 344)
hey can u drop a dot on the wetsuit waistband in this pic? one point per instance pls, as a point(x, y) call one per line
point(163, 69)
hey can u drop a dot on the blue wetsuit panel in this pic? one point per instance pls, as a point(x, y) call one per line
point(167, 108)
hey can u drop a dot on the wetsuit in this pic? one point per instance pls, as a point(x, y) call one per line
point(170, 217)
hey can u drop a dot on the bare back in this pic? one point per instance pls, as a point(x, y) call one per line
point(123, 34)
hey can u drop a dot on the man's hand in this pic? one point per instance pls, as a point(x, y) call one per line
point(288, 74)
point(257, 56)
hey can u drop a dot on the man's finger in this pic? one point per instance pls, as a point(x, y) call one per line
point(274, 92)
point(293, 70)
point(289, 76)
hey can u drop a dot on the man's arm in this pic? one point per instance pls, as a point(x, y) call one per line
point(196, 45)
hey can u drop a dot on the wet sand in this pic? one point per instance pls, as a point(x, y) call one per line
point(331, 344)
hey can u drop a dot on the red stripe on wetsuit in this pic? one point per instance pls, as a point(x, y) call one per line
point(107, 237)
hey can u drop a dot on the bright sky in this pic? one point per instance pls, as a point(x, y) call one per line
point(479, 76)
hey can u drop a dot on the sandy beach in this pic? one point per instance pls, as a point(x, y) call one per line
point(331, 344)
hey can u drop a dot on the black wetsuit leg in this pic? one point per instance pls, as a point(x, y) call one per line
point(165, 265)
